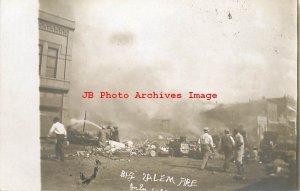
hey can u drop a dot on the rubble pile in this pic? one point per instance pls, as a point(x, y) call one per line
point(116, 150)
point(283, 167)
point(277, 168)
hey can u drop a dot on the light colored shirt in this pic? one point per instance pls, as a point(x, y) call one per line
point(232, 140)
point(58, 128)
point(206, 139)
point(239, 141)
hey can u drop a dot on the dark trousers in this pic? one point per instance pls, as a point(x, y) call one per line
point(228, 152)
point(59, 147)
point(206, 154)
point(240, 167)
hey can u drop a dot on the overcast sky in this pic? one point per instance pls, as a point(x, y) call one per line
point(239, 49)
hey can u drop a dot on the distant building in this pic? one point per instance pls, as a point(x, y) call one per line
point(257, 116)
point(55, 57)
point(287, 111)
point(161, 124)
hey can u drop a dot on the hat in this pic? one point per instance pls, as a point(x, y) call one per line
point(55, 119)
point(226, 131)
point(205, 129)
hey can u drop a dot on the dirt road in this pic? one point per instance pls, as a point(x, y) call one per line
point(150, 174)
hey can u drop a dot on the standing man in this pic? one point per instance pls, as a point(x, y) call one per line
point(239, 151)
point(115, 134)
point(102, 137)
point(206, 143)
point(61, 134)
point(227, 145)
point(108, 132)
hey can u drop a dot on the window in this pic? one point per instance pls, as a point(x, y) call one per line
point(40, 57)
point(51, 66)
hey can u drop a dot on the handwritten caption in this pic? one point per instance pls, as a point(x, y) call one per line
point(153, 177)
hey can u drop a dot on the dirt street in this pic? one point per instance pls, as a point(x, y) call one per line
point(149, 174)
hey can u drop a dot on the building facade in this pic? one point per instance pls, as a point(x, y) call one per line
point(55, 58)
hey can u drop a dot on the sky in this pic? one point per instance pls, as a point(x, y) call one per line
point(239, 49)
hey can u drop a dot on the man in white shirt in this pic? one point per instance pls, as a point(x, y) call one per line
point(206, 143)
point(61, 134)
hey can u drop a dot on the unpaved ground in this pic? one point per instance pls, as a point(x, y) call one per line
point(65, 175)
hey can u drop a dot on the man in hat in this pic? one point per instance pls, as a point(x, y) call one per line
point(239, 151)
point(227, 145)
point(61, 134)
point(206, 143)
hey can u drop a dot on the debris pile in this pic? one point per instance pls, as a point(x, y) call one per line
point(283, 167)
point(277, 168)
point(117, 150)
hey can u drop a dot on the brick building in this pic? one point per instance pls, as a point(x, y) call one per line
point(55, 57)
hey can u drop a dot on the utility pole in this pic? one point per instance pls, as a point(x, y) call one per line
point(84, 121)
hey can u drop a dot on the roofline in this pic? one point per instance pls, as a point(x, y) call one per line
point(68, 23)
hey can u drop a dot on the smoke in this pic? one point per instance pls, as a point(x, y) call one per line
point(122, 38)
point(176, 47)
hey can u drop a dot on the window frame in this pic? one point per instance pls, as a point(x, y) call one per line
point(56, 61)
point(41, 48)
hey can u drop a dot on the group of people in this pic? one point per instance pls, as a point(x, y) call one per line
point(232, 146)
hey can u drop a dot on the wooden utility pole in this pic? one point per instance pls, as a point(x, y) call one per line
point(84, 121)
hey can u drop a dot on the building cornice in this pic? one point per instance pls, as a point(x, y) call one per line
point(53, 28)
point(55, 24)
